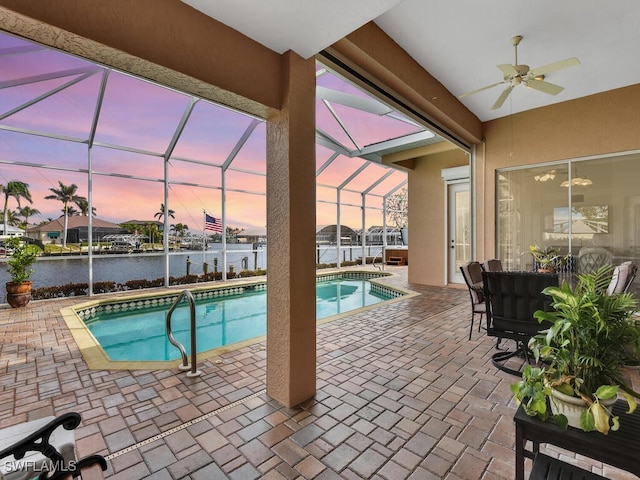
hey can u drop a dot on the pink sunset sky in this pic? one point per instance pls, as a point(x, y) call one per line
point(143, 117)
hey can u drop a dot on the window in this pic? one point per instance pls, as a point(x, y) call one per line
point(571, 206)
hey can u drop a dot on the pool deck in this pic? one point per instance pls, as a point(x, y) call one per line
point(401, 393)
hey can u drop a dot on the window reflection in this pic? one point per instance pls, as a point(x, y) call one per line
point(576, 207)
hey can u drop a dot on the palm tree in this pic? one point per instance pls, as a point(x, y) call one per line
point(160, 214)
point(179, 230)
point(151, 231)
point(27, 212)
point(72, 211)
point(11, 218)
point(17, 190)
point(65, 194)
point(83, 205)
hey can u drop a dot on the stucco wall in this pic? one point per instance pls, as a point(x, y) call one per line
point(427, 234)
point(595, 125)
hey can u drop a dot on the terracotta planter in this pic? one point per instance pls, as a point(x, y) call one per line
point(18, 294)
point(545, 270)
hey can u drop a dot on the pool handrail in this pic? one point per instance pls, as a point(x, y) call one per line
point(379, 255)
point(185, 294)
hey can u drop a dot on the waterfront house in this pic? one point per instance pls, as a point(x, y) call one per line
point(77, 230)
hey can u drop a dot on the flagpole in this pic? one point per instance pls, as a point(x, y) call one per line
point(204, 238)
point(223, 222)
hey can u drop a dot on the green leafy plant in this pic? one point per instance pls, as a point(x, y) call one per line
point(592, 338)
point(19, 264)
point(545, 258)
point(532, 393)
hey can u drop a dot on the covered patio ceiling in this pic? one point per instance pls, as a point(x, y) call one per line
point(460, 43)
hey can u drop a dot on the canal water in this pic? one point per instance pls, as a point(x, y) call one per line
point(120, 268)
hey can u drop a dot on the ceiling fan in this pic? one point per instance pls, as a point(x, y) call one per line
point(516, 74)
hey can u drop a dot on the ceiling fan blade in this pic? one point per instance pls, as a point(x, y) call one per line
point(503, 96)
point(479, 90)
point(554, 67)
point(508, 70)
point(545, 87)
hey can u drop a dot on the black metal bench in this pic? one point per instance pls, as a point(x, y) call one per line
point(46, 447)
point(548, 468)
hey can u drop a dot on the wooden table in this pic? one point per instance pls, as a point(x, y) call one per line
point(619, 449)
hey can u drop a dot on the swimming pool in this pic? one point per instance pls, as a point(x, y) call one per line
point(134, 330)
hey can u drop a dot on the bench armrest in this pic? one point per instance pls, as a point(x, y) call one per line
point(39, 440)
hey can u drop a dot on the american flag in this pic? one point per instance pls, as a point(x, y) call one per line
point(212, 224)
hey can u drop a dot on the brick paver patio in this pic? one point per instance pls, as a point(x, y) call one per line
point(401, 393)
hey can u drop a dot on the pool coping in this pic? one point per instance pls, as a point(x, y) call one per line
point(97, 359)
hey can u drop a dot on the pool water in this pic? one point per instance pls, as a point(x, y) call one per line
point(139, 335)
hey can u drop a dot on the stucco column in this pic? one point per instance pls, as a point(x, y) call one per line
point(291, 220)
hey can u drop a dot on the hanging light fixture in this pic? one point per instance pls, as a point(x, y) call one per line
point(577, 181)
point(549, 175)
point(581, 181)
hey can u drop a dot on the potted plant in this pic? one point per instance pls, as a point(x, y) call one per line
point(592, 338)
point(19, 267)
point(544, 258)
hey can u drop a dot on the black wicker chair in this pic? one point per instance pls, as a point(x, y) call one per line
point(511, 300)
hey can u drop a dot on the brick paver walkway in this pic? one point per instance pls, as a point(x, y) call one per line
point(401, 393)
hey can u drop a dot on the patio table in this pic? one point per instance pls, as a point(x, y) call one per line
point(619, 449)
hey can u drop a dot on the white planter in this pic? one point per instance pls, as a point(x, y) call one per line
point(571, 407)
point(404, 232)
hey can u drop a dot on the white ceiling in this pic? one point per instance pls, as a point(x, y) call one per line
point(304, 26)
point(460, 42)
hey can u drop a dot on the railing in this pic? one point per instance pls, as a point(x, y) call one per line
point(192, 307)
point(373, 262)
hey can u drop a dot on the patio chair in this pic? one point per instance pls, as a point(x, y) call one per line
point(492, 265)
point(472, 274)
point(623, 276)
point(45, 447)
point(591, 259)
point(512, 298)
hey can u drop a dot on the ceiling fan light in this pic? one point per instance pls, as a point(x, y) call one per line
point(578, 182)
point(582, 182)
point(546, 176)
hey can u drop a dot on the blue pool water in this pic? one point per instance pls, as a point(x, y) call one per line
point(139, 335)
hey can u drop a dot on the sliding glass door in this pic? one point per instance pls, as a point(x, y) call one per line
point(581, 207)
